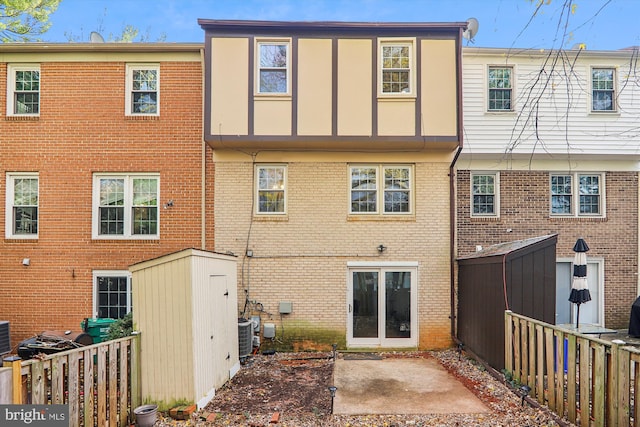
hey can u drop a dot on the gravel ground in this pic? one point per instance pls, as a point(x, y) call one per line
point(295, 386)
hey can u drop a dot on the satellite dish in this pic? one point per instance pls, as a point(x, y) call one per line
point(472, 29)
point(96, 37)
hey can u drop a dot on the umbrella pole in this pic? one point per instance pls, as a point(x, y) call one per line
point(578, 317)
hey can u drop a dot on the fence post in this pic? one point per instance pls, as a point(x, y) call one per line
point(508, 342)
point(136, 390)
point(15, 363)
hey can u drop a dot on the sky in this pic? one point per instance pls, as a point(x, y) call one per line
point(599, 24)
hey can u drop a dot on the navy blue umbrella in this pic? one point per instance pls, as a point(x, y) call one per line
point(579, 287)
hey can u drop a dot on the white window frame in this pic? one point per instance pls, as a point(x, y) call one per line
point(489, 89)
point(614, 90)
point(9, 205)
point(575, 195)
point(496, 194)
point(397, 42)
point(257, 189)
point(11, 88)
point(272, 42)
point(380, 189)
point(110, 273)
point(128, 206)
point(128, 104)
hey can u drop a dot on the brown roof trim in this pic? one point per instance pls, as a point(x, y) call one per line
point(215, 25)
point(99, 47)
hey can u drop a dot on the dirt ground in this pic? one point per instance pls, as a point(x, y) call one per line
point(294, 386)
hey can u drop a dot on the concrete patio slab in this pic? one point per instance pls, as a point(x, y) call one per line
point(399, 386)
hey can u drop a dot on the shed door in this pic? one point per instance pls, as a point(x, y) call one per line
point(220, 329)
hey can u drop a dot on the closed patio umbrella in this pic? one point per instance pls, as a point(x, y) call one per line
point(579, 288)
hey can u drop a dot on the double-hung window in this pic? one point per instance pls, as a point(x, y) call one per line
point(23, 90)
point(396, 68)
point(143, 90)
point(273, 67)
point(271, 183)
point(112, 294)
point(500, 85)
point(22, 206)
point(126, 206)
point(603, 96)
point(381, 189)
point(577, 194)
point(484, 194)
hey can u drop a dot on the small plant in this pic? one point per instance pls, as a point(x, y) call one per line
point(121, 327)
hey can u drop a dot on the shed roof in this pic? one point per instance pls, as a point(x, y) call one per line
point(507, 247)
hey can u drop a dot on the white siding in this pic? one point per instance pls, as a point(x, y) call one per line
point(564, 122)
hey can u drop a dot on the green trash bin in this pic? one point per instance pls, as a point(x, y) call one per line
point(97, 328)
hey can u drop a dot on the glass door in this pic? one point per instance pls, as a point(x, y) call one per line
point(382, 308)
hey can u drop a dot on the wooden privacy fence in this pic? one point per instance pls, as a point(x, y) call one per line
point(98, 382)
point(584, 379)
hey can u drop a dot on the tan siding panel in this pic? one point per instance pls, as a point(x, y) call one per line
point(439, 88)
point(230, 83)
point(272, 116)
point(396, 117)
point(354, 87)
point(314, 87)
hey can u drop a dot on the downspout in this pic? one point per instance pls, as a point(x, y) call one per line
point(203, 183)
point(452, 194)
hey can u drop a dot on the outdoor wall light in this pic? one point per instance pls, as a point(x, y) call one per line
point(169, 204)
point(524, 392)
point(382, 248)
point(26, 262)
point(332, 390)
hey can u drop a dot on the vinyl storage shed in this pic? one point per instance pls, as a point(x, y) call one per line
point(519, 276)
point(185, 309)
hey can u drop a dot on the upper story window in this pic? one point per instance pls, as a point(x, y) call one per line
point(273, 67)
point(271, 189)
point(381, 189)
point(577, 194)
point(484, 194)
point(22, 206)
point(603, 97)
point(396, 67)
point(125, 206)
point(500, 89)
point(23, 90)
point(143, 90)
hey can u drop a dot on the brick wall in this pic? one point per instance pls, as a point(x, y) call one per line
point(81, 130)
point(524, 208)
point(303, 258)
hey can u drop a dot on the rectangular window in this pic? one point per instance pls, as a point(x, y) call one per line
point(112, 294)
point(22, 206)
point(143, 90)
point(126, 206)
point(23, 90)
point(603, 87)
point(500, 88)
point(271, 189)
point(385, 189)
point(396, 68)
point(273, 67)
point(484, 194)
point(577, 194)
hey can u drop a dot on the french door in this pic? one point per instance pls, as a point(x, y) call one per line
point(382, 307)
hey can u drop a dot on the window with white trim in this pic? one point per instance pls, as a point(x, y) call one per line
point(112, 294)
point(603, 96)
point(273, 67)
point(23, 90)
point(271, 187)
point(126, 206)
point(381, 189)
point(500, 85)
point(396, 68)
point(577, 194)
point(22, 206)
point(485, 194)
point(143, 90)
